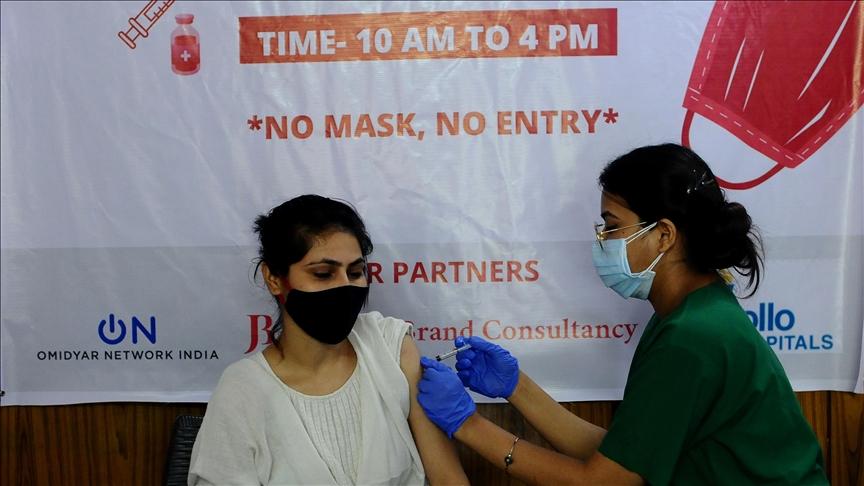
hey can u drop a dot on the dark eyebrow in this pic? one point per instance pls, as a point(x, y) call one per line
point(335, 263)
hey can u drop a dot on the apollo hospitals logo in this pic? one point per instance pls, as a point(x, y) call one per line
point(777, 326)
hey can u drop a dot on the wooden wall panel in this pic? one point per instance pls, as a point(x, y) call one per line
point(816, 407)
point(106, 443)
point(126, 443)
point(847, 439)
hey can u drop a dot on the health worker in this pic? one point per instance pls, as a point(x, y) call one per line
point(706, 399)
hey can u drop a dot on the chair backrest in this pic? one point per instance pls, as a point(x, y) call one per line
point(180, 449)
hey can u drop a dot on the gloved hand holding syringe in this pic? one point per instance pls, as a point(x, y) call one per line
point(484, 367)
point(452, 353)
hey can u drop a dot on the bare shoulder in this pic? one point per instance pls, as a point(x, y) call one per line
point(409, 359)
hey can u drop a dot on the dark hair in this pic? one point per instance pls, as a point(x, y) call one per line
point(671, 181)
point(288, 231)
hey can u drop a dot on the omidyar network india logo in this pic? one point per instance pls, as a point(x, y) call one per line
point(128, 338)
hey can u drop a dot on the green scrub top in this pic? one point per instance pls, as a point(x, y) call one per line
point(708, 402)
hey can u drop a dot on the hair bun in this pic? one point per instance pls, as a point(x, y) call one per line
point(730, 233)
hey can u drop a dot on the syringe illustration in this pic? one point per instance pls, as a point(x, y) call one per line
point(141, 23)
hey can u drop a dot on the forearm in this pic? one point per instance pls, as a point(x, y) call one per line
point(444, 468)
point(438, 454)
point(531, 464)
point(566, 432)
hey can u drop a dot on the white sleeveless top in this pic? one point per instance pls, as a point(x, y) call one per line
point(332, 422)
point(257, 430)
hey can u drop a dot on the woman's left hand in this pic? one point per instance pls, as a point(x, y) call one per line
point(443, 397)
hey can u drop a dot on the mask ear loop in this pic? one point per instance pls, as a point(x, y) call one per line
point(685, 141)
point(653, 264)
point(637, 235)
point(281, 297)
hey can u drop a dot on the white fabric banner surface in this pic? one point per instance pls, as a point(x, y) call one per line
point(137, 149)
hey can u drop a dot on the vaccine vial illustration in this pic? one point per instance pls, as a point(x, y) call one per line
point(185, 46)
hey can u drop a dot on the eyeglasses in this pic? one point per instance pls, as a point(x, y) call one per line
point(600, 233)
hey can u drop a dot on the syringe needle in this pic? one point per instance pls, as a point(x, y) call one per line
point(449, 354)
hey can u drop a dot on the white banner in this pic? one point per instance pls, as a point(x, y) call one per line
point(141, 139)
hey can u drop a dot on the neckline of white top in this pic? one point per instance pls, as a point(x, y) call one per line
point(262, 361)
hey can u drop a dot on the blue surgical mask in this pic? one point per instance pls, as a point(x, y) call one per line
point(612, 266)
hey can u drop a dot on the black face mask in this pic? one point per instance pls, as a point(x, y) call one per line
point(327, 315)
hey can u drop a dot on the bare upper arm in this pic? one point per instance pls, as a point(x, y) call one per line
point(409, 360)
point(437, 452)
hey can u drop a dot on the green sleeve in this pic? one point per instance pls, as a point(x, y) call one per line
point(668, 392)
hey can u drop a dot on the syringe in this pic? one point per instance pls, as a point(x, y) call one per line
point(141, 23)
point(452, 353)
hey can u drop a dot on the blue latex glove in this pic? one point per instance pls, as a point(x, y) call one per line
point(487, 368)
point(442, 396)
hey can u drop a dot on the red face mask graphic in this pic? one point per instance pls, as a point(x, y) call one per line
point(781, 76)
